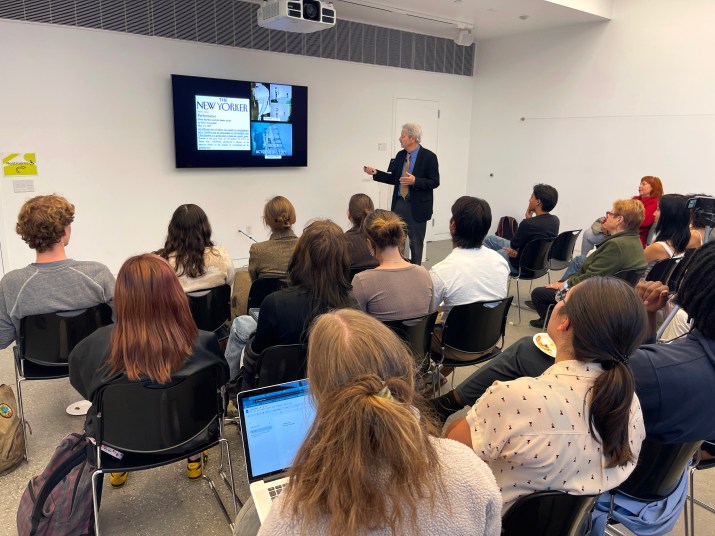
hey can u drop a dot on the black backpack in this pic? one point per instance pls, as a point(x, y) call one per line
point(507, 227)
point(59, 500)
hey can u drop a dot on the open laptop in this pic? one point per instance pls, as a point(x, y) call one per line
point(274, 422)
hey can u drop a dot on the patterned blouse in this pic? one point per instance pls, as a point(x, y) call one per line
point(534, 435)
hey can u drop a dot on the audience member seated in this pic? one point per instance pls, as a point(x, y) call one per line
point(621, 250)
point(154, 337)
point(373, 463)
point(360, 258)
point(318, 281)
point(268, 258)
point(198, 262)
point(649, 191)
point(53, 282)
point(662, 372)
point(396, 289)
point(537, 223)
point(578, 427)
point(470, 273)
point(671, 229)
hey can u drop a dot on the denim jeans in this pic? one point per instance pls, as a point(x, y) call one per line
point(241, 329)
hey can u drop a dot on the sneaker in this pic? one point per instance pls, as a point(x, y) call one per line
point(117, 480)
point(530, 304)
point(193, 468)
point(537, 323)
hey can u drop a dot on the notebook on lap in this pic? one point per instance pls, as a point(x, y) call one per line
point(274, 422)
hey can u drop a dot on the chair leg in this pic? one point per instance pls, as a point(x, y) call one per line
point(215, 491)
point(95, 501)
point(518, 300)
point(21, 408)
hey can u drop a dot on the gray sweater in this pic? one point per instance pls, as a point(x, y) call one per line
point(49, 287)
point(472, 505)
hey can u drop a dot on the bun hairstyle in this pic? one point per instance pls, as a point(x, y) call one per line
point(384, 229)
point(366, 426)
point(359, 207)
point(609, 323)
point(279, 214)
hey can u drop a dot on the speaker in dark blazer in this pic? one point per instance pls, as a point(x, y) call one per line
point(416, 208)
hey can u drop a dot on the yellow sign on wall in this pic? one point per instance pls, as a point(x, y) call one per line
point(16, 164)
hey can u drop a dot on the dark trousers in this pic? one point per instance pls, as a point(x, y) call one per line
point(519, 360)
point(542, 298)
point(415, 230)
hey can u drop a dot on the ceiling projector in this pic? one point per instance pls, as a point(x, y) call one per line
point(301, 16)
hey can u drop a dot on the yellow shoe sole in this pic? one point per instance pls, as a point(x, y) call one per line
point(117, 480)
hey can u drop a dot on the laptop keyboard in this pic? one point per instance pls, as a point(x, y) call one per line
point(274, 491)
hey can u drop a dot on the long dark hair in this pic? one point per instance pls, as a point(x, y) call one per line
point(674, 220)
point(320, 265)
point(188, 237)
point(609, 323)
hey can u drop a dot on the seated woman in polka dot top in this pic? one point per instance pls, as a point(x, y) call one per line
point(578, 427)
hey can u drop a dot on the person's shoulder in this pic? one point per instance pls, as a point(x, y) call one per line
point(89, 267)
point(18, 275)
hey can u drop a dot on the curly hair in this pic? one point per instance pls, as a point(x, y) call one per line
point(42, 221)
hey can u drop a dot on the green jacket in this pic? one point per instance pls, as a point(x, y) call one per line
point(622, 251)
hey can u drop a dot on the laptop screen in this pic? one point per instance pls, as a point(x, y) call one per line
point(275, 421)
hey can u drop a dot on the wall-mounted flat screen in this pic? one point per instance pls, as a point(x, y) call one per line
point(234, 123)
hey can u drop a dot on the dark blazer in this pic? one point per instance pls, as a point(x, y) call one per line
point(426, 172)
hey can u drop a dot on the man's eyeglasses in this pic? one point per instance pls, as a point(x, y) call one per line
point(561, 294)
point(611, 214)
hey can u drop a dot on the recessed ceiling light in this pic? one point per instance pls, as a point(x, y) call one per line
point(523, 17)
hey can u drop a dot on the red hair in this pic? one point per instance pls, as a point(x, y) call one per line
point(154, 331)
point(655, 184)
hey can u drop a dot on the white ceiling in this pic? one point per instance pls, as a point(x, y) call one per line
point(490, 18)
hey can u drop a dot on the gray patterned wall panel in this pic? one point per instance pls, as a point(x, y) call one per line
point(228, 23)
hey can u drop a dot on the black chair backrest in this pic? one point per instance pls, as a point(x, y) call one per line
point(534, 258)
point(476, 327)
point(262, 287)
point(48, 339)
point(211, 308)
point(679, 271)
point(280, 364)
point(662, 270)
point(416, 332)
point(561, 251)
point(148, 417)
point(552, 513)
point(658, 471)
point(630, 276)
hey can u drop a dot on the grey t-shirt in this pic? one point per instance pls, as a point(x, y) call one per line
point(49, 287)
point(394, 294)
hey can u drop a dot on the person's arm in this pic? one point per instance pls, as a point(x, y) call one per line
point(265, 330)
point(230, 271)
point(654, 295)
point(459, 431)
point(107, 281)
point(428, 179)
point(7, 328)
point(252, 264)
point(605, 261)
point(521, 237)
point(387, 177)
point(359, 293)
point(439, 289)
point(655, 252)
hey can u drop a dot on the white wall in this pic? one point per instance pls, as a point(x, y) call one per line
point(96, 108)
point(604, 104)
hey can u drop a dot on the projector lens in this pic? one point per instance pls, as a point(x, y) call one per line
point(311, 10)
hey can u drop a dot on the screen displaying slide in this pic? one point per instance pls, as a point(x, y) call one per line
point(232, 123)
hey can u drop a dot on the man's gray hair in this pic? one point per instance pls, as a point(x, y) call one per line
point(413, 130)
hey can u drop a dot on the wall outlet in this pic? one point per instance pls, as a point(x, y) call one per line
point(23, 185)
point(382, 147)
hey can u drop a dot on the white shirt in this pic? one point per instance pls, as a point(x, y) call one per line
point(468, 276)
point(534, 434)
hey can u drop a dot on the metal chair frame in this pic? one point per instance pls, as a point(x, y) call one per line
point(561, 253)
point(533, 264)
point(698, 465)
point(552, 513)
